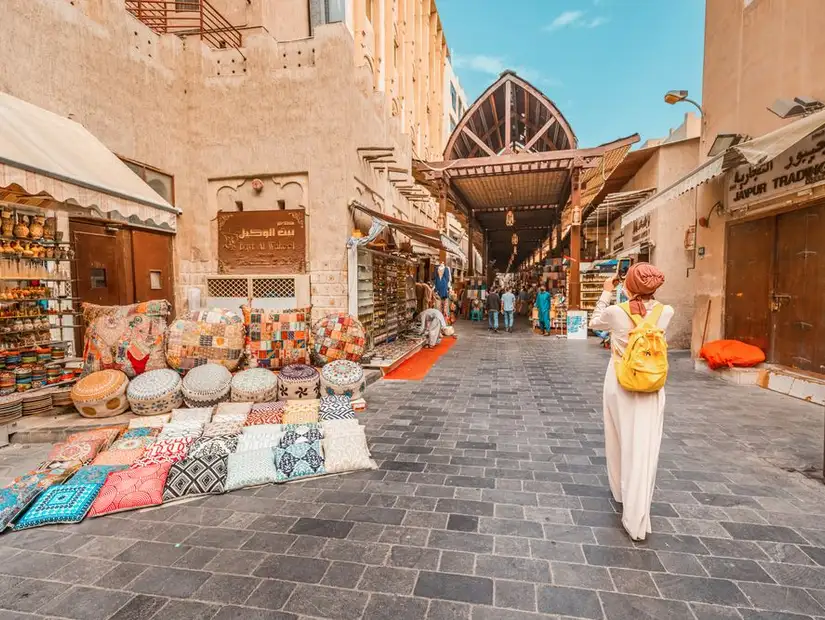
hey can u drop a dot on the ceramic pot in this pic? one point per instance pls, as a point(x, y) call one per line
point(21, 229)
point(50, 227)
point(36, 228)
point(7, 225)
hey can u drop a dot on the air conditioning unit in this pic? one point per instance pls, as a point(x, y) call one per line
point(264, 291)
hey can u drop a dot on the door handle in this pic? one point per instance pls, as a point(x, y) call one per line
point(777, 301)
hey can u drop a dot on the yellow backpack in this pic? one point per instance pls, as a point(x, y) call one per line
point(643, 367)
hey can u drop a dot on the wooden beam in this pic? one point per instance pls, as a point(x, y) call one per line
point(496, 121)
point(508, 119)
point(539, 134)
point(472, 135)
point(574, 302)
point(470, 266)
point(442, 214)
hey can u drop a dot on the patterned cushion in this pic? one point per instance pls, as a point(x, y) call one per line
point(259, 441)
point(256, 385)
point(347, 453)
point(191, 429)
point(344, 378)
point(118, 457)
point(234, 411)
point(264, 429)
point(250, 468)
point(298, 381)
point(300, 433)
point(155, 392)
point(155, 421)
point(198, 414)
point(134, 443)
point(94, 474)
point(107, 434)
point(223, 427)
point(276, 338)
point(61, 503)
point(213, 336)
point(206, 386)
point(131, 488)
point(298, 460)
point(14, 501)
point(127, 338)
point(101, 394)
point(222, 445)
point(165, 451)
point(196, 476)
point(266, 413)
point(334, 428)
point(301, 411)
point(336, 408)
point(146, 431)
point(81, 451)
point(338, 336)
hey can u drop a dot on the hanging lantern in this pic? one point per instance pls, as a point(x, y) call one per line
point(510, 219)
point(514, 239)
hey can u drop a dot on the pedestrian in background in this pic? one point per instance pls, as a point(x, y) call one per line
point(543, 306)
point(493, 308)
point(508, 305)
point(522, 301)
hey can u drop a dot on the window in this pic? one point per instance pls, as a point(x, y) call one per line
point(155, 280)
point(336, 11)
point(162, 182)
point(454, 97)
point(97, 277)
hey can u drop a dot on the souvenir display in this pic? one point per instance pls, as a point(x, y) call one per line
point(206, 386)
point(101, 394)
point(338, 336)
point(255, 385)
point(276, 338)
point(213, 336)
point(343, 378)
point(155, 392)
point(298, 381)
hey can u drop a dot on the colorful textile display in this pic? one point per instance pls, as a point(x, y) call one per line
point(76, 451)
point(61, 503)
point(338, 336)
point(251, 468)
point(155, 392)
point(221, 445)
point(201, 415)
point(165, 451)
point(145, 431)
point(298, 381)
point(276, 338)
point(301, 411)
point(94, 474)
point(298, 460)
point(255, 385)
point(196, 476)
point(266, 413)
point(344, 378)
point(347, 452)
point(134, 443)
point(213, 336)
point(127, 338)
point(206, 386)
point(131, 488)
point(106, 435)
point(101, 394)
point(335, 408)
point(14, 501)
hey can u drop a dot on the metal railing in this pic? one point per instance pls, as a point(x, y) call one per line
point(187, 17)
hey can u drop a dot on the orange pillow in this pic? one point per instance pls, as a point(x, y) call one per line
point(730, 353)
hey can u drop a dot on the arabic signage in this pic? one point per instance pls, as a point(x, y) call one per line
point(640, 230)
point(262, 242)
point(800, 166)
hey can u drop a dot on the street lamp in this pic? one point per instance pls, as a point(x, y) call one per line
point(676, 96)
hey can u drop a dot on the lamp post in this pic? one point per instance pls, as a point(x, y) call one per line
point(676, 96)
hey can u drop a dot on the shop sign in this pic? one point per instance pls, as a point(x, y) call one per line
point(640, 230)
point(262, 242)
point(577, 325)
point(800, 166)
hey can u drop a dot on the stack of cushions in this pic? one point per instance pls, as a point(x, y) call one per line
point(206, 386)
point(338, 337)
point(155, 392)
point(343, 378)
point(256, 385)
point(101, 394)
point(214, 336)
point(276, 338)
point(298, 381)
point(127, 338)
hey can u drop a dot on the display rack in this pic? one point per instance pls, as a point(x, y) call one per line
point(382, 295)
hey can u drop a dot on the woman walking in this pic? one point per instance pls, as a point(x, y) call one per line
point(632, 420)
point(543, 305)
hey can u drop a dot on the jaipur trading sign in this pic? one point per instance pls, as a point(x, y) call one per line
point(262, 242)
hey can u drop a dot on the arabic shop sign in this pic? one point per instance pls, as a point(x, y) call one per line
point(262, 242)
point(800, 166)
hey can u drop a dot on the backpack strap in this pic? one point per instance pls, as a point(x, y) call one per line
point(637, 320)
point(651, 318)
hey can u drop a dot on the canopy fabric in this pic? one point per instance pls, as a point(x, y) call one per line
point(43, 155)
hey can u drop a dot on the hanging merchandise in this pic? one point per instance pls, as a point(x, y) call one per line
point(514, 239)
point(510, 219)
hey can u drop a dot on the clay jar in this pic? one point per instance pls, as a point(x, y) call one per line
point(36, 229)
point(7, 224)
point(21, 229)
point(50, 227)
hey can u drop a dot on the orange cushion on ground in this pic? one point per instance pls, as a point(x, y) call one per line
point(730, 353)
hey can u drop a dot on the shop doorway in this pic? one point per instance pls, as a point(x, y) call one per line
point(775, 287)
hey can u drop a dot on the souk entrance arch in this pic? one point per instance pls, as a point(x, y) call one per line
point(513, 166)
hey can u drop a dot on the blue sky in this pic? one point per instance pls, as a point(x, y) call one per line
point(605, 63)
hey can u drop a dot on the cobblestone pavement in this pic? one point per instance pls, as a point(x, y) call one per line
point(491, 502)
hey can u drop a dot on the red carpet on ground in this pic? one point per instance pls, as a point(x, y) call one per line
point(417, 367)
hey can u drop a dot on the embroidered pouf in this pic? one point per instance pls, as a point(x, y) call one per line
point(338, 336)
point(206, 336)
point(298, 381)
point(206, 385)
point(256, 385)
point(101, 394)
point(155, 392)
point(343, 378)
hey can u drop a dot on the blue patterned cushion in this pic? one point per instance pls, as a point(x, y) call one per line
point(61, 503)
point(135, 433)
point(14, 501)
point(299, 460)
point(94, 474)
point(299, 433)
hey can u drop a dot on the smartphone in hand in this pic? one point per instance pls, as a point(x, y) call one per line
point(624, 266)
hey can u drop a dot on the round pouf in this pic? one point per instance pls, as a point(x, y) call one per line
point(155, 392)
point(206, 386)
point(343, 378)
point(256, 385)
point(298, 381)
point(101, 394)
point(338, 336)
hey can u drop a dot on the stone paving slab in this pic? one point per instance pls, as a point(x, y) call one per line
point(491, 502)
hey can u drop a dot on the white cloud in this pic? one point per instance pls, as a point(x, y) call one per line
point(567, 18)
point(596, 22)
point(495, 65)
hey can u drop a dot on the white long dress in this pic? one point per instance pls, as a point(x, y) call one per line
point(632, 424)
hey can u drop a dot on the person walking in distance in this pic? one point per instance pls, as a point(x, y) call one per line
point(523, 302)
point(633, 397)
point(543, 306)
point(493, 308)
point(508, 306)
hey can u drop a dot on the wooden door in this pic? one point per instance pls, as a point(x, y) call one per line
point(748, 282)
point(99, 270)
point(152, 259)
point(799, 290)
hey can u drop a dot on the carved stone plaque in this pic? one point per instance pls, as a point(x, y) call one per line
point(262, 242)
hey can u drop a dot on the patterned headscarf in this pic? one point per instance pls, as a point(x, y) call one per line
point(642, 281)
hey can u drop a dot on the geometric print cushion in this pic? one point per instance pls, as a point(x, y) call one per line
point(259, 441)
point(83, 451)
point(61, 503)
point(232, 411)
point(223, 427)
point(251, 468)
point(131, 488)
point(222, 445)
point(196, 476)
point(301, 411)
point(198, 414)
point(94, 474)
point(14, 501)
point(146, 431)
point(336, 408)
point(276, 338)
point(299, 460)
point(166, 451)
point(133, 443)
point(335, 428)
point(266, 413)
point(347, 453)
point(300, 433)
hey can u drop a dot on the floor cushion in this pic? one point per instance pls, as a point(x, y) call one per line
point(60, 503)
point(165, 451)
point(155, 421)
point(198, 414)
point(134, 443)
point(276, 338)
point(222, 445)
point(348, 452)
point(255, 385)
point(298, 460)
point(250, 468)
point(223, 427)
point(187, 430)
point(94, 474)
point(300, 433)
point(155, 392)
point(335, 408)
point(301, 411)
point(214, 336)
point(106, 434)
point(266, 413)
point(131, 488)
point(298, 381)
point(338, 336)
point(339, 427)
point(145, 431)
point(196, 476)
point(235, 411)
point(80, 451)
point(343, 378)
point(13, 501)
point(260, 436)
point(101, 394)
point(206, 386)
point(118, 457)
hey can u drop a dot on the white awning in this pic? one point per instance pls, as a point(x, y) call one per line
point(752, 152)
point(43, 155)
